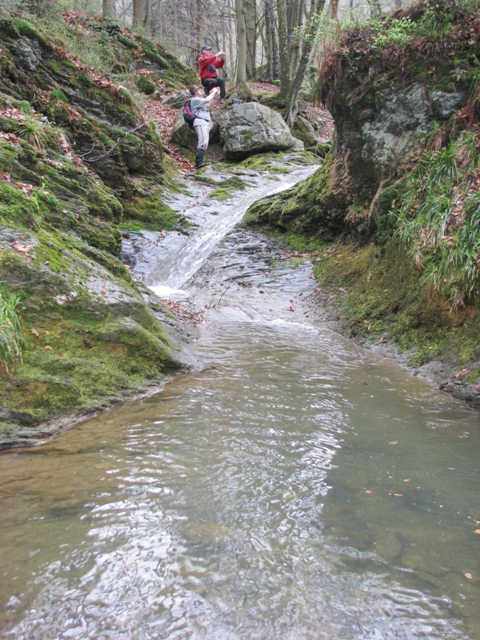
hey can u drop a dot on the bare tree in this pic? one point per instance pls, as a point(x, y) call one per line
point(283, 48)
point(138, 13)
point(308, 41)
point(108, 9)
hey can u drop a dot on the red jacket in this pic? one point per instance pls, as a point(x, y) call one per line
point(204, 66)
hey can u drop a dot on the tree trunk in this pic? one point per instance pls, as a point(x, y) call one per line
point(334, 9)
point(375, 8)
point(138, 13)
point(295, 39)
point(308, 43)
point(250, 9)
point(283, 48)
point(147, 18)
point(268, 41)
point(108, 9)
point(241, 77)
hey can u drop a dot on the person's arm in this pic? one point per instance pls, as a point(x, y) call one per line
point(220, 59)
point(212, 95)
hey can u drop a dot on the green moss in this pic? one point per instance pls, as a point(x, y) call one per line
point(150, 212)
point(87, 363)
point(100, 234)
point(297, 210)
point(127, 42)
point(57, 94)
point(24, 106)
point(16, 208)
point(101, 96)
point(227, 188)
point(85, 80)
point(382, 293)
point(152, 53)
point(145, 84)
point(50, 253)
point(60, 66)
point(21, 27)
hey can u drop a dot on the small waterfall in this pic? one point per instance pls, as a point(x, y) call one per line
point(175, 272)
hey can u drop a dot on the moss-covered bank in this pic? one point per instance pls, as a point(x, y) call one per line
point(78, 166)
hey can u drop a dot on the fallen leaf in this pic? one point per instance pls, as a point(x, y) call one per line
point(22, 248)
point(368, 491)
point(407, 480)
point(398, 495)
point(47, 347)
point(468, 576)
point(34, 331)
point(477, 531)
point(393, 442)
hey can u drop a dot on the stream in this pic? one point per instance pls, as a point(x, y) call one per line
point(291, 486)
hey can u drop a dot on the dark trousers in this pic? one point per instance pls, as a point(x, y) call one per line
point(209, 83)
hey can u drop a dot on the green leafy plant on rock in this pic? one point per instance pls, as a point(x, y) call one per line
point(10, 333)
point(33, 131)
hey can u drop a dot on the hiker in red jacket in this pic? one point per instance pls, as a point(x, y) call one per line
point(207, 69)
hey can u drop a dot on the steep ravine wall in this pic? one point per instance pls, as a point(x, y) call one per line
point(74, 155)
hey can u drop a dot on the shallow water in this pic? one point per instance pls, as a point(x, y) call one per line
point(295, 486)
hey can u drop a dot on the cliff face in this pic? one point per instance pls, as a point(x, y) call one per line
point(387, 87)
point(76, 162)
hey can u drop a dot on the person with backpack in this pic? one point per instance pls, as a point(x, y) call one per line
point(207, 69)
point(199, 107)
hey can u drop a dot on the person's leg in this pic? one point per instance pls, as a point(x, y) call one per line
point(208, 84)
point(203, 134)
point(221, 84)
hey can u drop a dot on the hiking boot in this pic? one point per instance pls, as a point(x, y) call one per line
point(199, 162)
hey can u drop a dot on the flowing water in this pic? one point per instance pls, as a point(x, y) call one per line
point(292, 486)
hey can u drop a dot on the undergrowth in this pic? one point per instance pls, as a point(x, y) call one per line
point(438, 219)
point(11, 341)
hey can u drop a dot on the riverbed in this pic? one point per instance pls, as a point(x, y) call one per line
point(292, 485)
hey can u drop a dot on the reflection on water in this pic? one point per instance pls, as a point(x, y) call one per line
point(293, 489)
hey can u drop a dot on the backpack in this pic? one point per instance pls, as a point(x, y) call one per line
point(188, 113)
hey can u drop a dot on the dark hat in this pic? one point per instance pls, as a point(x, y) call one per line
point(205, 46)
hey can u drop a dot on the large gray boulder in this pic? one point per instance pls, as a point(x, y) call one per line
point(250, 128)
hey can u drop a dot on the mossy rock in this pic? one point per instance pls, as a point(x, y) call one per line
point(301, 209)
point(149, 212)
point(146, 85)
